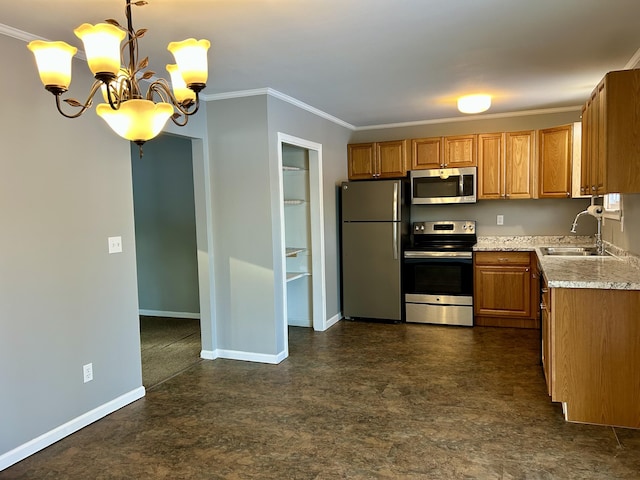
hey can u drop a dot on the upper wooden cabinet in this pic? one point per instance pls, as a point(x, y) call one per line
point(519, 164)
point(377, 160)
point(611, 136)
point(460, 151)
point(506, 165)
point(555, 147)
point(444, 152)
point(426, 153)
point(491, 166)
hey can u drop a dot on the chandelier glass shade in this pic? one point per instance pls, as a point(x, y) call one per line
point(126, 110)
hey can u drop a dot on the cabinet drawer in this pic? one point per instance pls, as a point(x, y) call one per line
point(503, 258)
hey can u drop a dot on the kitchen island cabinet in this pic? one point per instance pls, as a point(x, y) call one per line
point(367, 161)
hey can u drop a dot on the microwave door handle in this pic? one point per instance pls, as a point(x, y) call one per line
point(461, 184)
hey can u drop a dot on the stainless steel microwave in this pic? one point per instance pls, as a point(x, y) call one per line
point(443, 185)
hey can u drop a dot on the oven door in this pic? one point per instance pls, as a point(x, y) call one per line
point(438, 287)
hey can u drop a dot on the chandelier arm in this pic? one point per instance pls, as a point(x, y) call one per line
point(175, 119)
point(73, 102)
point(161, 88)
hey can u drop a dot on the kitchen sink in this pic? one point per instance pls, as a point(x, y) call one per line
point(572, 251)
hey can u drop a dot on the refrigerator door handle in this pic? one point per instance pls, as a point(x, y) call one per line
point(395, 241)
point(395, 202)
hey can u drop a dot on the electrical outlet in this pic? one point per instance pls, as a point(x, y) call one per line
point(500, 220)
point(115, 244)
point(87, 372)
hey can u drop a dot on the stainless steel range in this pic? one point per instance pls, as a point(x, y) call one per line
point(438, 273)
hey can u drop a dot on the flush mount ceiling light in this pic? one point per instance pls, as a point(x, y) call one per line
point(131, 115)
point(474, 103)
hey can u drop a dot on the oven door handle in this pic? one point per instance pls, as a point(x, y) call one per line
point(411, 254)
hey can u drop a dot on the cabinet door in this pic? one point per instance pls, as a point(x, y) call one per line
point(502, 291)
point(490, 166)
point(460, 151)
point(426, 153)
point(392, 159)
point(555, 147)
point(518, 164)
point(599, 165)
point(361, 161)
point(585, 158)
point(547, 338)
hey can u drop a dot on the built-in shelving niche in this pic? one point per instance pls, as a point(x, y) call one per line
point(297, 226)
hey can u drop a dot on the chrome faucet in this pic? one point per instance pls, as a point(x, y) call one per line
point(575, 221)
point(597, 213)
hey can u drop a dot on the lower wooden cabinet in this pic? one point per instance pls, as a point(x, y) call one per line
point(506, 289)
point(591, 354)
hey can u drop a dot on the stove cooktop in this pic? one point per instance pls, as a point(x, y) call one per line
point(453, 235)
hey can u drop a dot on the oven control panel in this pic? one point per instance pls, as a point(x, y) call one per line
point(445, 227)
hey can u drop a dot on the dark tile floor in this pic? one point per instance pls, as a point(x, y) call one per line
point(360, 401)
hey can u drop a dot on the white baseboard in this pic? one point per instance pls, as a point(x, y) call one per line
point(161, 313)
point(208, 354)
point(244, 356)
point(332, 321)
point(58, 433)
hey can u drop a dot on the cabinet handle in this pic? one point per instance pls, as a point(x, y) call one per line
point(543, 306)
point(593, 188)
point(568, 194)
point(526, 269)
point(534, 276)
point(545, 290)
point(503, 259)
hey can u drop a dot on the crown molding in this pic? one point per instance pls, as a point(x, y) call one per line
point(281, 96)
point(435, 121)
point(8, 31)
point(633, 61)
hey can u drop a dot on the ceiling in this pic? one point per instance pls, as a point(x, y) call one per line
point(377, 62)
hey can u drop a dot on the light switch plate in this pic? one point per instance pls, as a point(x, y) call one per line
point(115, 244)
point(500, 220)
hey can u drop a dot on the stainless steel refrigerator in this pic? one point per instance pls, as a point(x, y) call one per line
point(374, 227)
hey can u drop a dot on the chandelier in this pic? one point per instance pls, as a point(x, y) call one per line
point(132, 115)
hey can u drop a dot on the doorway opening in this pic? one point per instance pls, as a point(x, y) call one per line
point(167, 257)
point(302, 233)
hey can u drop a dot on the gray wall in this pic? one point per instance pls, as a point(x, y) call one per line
point(242, 221)
point(290, 120)
point(521, 217)
point(246, 211)
point(65, 186)
point(627, 235)
point(165, 226)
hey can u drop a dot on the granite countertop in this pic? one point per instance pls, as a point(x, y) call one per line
point(619, 271)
